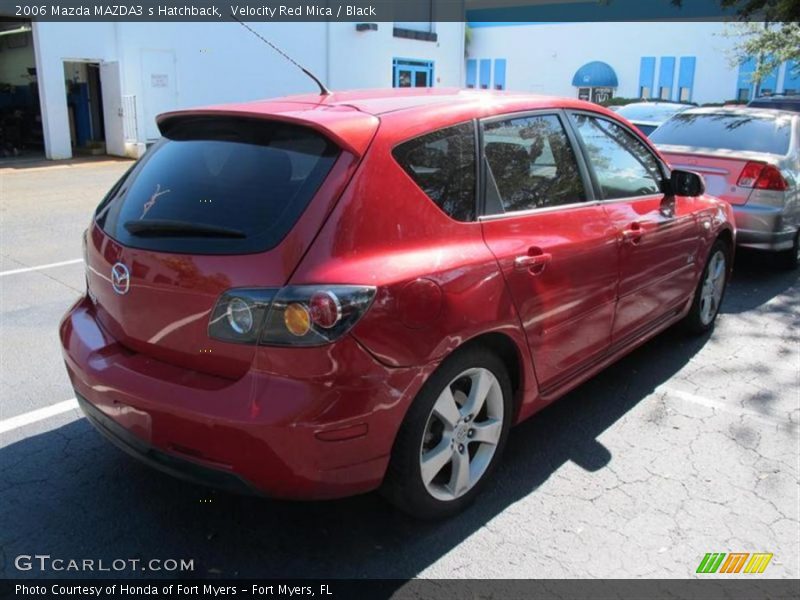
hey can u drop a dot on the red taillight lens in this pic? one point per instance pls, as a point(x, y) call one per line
point(750, 174)
point(771, 179)
point(325, 309)
point(762, 176)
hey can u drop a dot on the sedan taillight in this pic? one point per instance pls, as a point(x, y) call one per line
point(762, 176)
point(304, 315)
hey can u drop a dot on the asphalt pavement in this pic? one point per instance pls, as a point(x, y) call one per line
point(687, 446)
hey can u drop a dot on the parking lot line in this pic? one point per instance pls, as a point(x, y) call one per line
point(37, 415)
point(63, 263)
point(770, 420)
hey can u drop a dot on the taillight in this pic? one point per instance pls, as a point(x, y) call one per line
point(771, 179)
point(292, 316)
point(239, 313)
point(762, 176)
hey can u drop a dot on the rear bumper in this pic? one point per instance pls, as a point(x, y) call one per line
point(152, 457)
point(764, 228)
point(323, 431)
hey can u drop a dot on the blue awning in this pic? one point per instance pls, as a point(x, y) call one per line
point(595, 74)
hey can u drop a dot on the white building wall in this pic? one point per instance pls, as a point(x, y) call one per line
point(55, 43)
point(544, 58)
point(364, 59)
point(209, 63)
point(217, 63)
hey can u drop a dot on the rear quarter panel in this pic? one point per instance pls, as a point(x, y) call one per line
point(438, 284)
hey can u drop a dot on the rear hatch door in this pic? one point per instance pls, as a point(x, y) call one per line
point(220, 202)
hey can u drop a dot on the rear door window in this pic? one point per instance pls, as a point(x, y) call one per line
point(442, 164)
point(530, 164)
point(742, 132)
point(622, 164)
point(215, 186)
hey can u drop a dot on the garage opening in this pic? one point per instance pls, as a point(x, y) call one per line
point(21, 134)
point(85, 108)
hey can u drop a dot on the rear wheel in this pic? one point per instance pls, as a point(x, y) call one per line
point(710, 290)
point(452, 436)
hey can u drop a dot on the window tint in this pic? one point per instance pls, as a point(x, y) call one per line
point(650, 111)
point(219, 187)
point(624, 167)
point(728, 131)
point(442, 164)
point(531, 162)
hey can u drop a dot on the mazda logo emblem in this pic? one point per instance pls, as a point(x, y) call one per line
point(120, 278)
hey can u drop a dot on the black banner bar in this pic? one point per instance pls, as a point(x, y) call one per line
point(742, 588)
point(365, 11)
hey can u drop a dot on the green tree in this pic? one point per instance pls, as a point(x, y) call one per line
point(771, 44)
point(769, 31)
point(764, 10)
point(761, 10)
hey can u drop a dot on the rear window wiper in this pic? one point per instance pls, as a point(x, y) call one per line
point(171, 228)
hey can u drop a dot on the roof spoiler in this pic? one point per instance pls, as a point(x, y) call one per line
point(348, 128)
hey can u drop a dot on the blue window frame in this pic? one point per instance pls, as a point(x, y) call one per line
point(472, 73)
point(744, 81)
point(647, 76)
point(686, 78)
point(769, 85)
point(409, 72)
point(485, 73)
point(791, 77)
point(500, 74)
point(745, 86)
point(666, 77)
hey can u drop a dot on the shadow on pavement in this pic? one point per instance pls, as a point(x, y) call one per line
point(70, 494)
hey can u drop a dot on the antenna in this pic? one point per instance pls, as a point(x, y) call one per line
point(323, 91)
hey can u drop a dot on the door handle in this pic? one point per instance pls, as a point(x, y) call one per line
point(633, 234)
point(534, 262)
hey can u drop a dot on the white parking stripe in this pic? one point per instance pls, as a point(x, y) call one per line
point(37, 415)
point(737, 411)
point(63, 263)
point(40, 267)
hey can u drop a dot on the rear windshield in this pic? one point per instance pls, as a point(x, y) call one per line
point(726, 131)
point(215, 186)
point(650, 112)
point(789, 104)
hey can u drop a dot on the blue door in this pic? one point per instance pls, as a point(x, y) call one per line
point(412, 73)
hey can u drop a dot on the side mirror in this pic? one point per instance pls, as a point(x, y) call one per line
point(685, 183)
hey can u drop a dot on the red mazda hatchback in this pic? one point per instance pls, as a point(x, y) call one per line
point(319, 296)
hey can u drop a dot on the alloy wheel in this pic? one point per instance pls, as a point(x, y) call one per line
point(713, 287)
point(461, 434)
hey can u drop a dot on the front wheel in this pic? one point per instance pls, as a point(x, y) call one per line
point(452, 437)
point(710, 290)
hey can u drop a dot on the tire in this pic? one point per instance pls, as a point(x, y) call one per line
point(701, 316)
point(791, 258)
point(433, 433)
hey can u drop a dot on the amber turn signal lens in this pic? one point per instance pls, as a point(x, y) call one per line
point(297, 319)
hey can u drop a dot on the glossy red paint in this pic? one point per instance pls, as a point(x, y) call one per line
point(320, 422)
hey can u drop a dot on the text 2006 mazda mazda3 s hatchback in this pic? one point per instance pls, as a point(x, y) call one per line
point(319, 296)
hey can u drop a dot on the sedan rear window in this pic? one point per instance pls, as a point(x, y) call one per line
point(751, 133)
point(212, 186)
point(652, 113)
